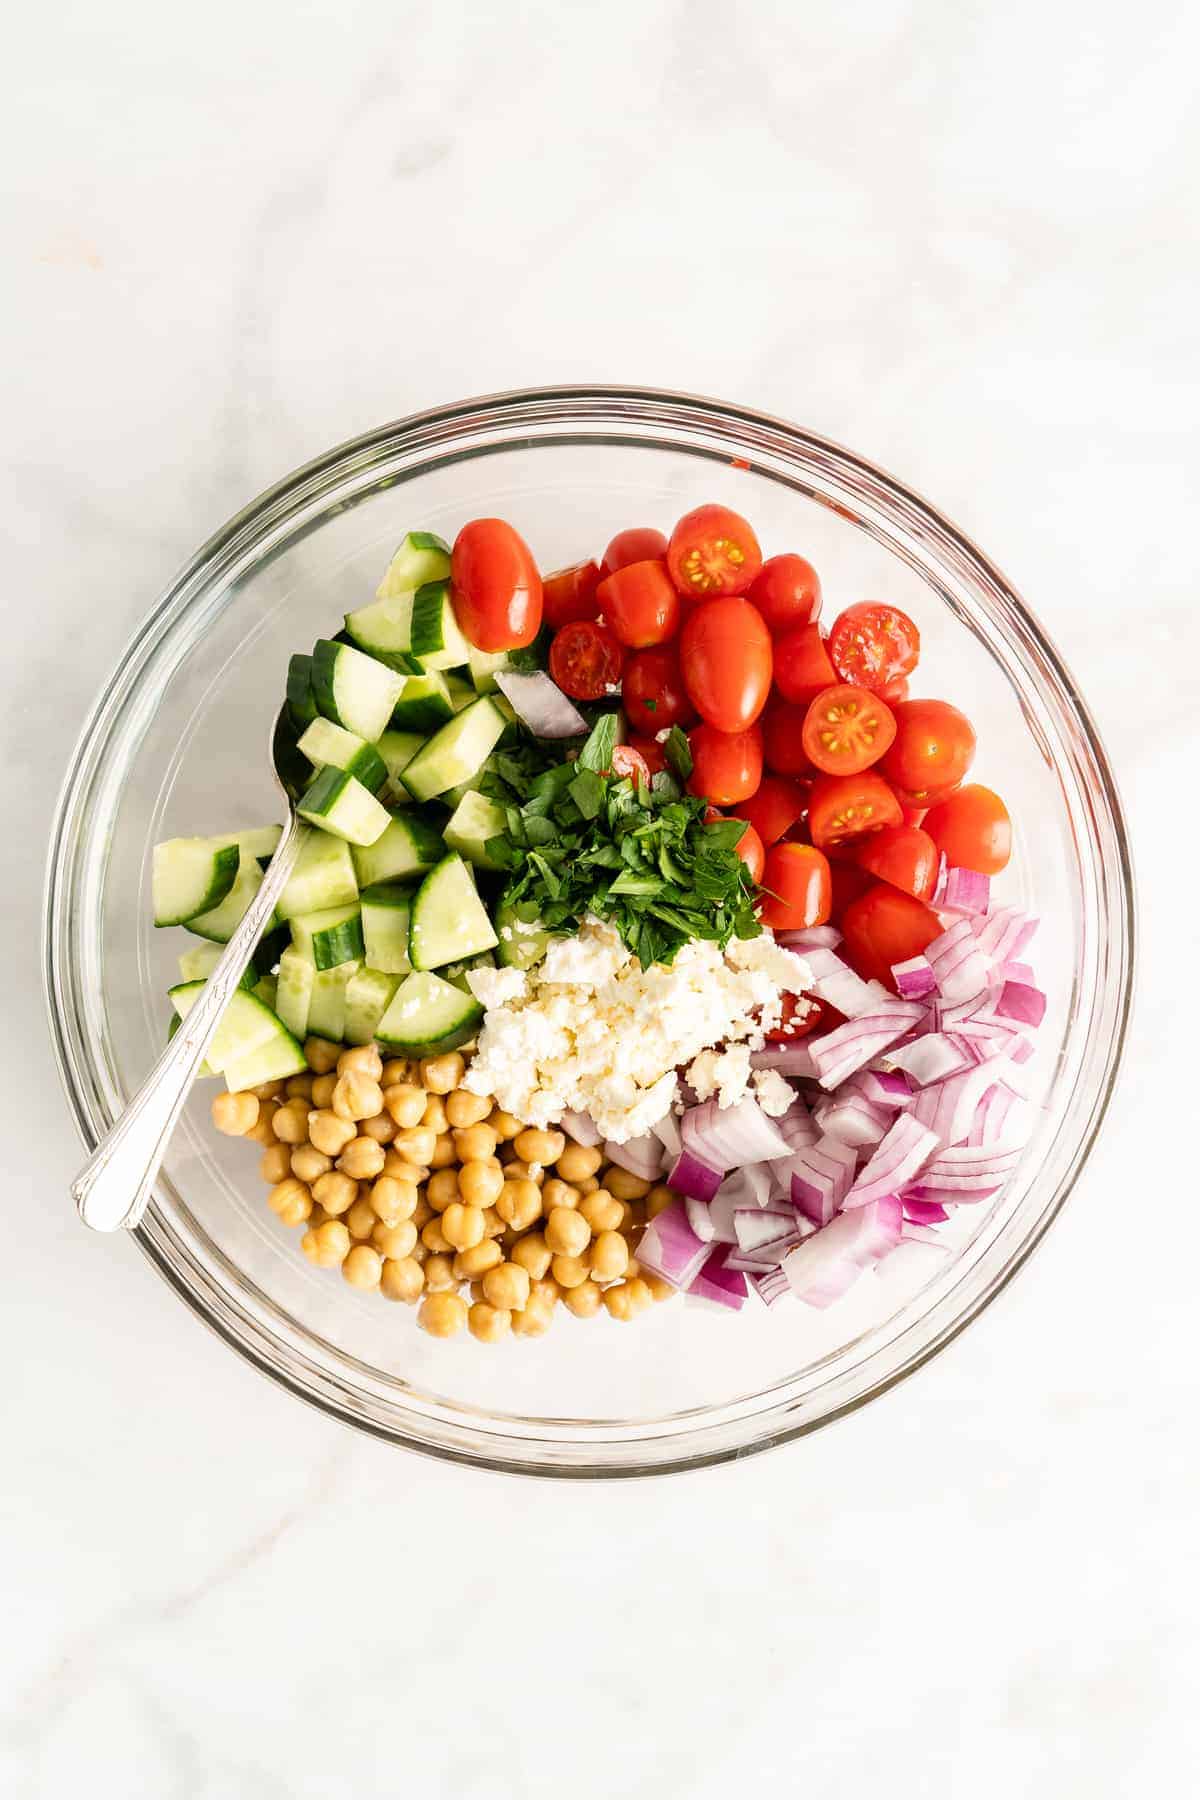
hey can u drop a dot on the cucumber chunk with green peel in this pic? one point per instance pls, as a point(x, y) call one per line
point(343, 806)
point(294, 989)
point(330, 937)
point(368, 996)
point(449, 920)
point(410, 846)
point(352, 689)
point(524, 940)
point(327, 1003)
point(220, 924)
point(460, 690)
point(422, 556)
point(411, 628)
point(457, 973)
point(437, 639)
point(397, 749)
point(301, 700)
point(453, 754)
point(191, 876)
point(428, 1015)
point(327, 745)
point(323, 877)
point(198, 963)
point(258, 841)
point(484, 666)
point(473, 821)
point(246, 1024)
point(266, 989)
point(386, 910)
point(424, 703)
point(273, 1061)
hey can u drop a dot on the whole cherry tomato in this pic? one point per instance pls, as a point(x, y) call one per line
point(775, 808)
point(651, 753)
point(570, 594)
point(750, 848)
point(725, 654)
point(801, 1015)
point(842, 808)
point(787, 592)
point(496, 588)
point(903, 855)
point(872, 645)
point(933, 749)
point(727, 765)
point(912, 815)
point(631, 763)
point(639, 602)
point(585, 660)
point(846, 729)
point(639, 544)
point(886, 927)
point(799, 890)
point(653, 691)
point(783, 738)
point(802, 667)
point(850, 883)
point(972, 828)
point(713, 551)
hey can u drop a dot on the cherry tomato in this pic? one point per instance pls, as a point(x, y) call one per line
point(713, 551)
point(799, 890)
point(640, 604)
point(972, 828)
point(653, 691)
point(871, 645)
point(783, 738)
point(795, 1024)
point(895, 691)
point(846, 729)
point(850, 883)
point(787, 592)
point(585, 660)
point(497, 590)
point(570, 594)
point(842, 808)
point(639, 544)
point(802, 667)
point(905, 856)
point(750, 848)
point(886, 927)
point(934, 748)
point(775, 808)
point(912, 815)
point(727, 764)
point(652, 754)
point(725, 653)
point(631, 763)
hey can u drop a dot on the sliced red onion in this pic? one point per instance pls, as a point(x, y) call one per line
point(770, 1288)
point(756, 1229)
point(970, 1167)
point(750, 1186)
point(813, 937)
point(963, 891)
point(691, 1176)
point(670, 1248)
point(821, 1177)
point(852, 1045)
point(718, 1283)
point(797, 1126)
point(731, 1136)
point(1020, 1001)
point(835, 982)
point(852, 1119)
point(722, 1207)
point(923, 1212)
point(959, 966)
point(990, 1116)
point(905, 1150)
point(948, 1108)
point(914, 979)
point(881, 1087)
point(699, 1217)
point(785, 1059)
point(641, 1156)
point(822, 1268)
point(927, 1059)
point(579, 1126)
point(541, 705)
point(1004, 933)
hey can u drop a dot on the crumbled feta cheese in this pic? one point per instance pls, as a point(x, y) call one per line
point(787, 970)
point(496, 987)
point(772, 1092)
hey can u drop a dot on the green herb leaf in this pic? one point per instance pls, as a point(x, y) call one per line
point(599, 744)
point(678, 753)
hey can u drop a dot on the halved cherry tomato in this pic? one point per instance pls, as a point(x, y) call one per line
point(750, 848)
point(799, 890)
point(640, 604)
point(871, 645)
point(497, 591)
point(631, 763)
point(783, 738)
point(570, 594)
point(794, 1023)
point(972, 828)
point(774, 809)
point(787, 592)
point(725, 654)
point(934, 748)
point(886, 927)
point(895, 691)
point(727, 765)
point(585, 660)
point(651, 753)
point(653, 691)
point(713, 551)
point(905, 856)
point(802, 667)
point(639, 544)
point(842, 808)
point(846, 729)
point(850, 883)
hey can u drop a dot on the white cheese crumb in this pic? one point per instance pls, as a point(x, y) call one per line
point(772, 1092)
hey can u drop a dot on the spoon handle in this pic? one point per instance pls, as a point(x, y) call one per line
point(115, 1184)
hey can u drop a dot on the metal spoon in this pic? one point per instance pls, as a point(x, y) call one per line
point(114, 1186)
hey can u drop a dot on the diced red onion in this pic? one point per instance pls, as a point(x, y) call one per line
point(850, 1046)
point(959, 966)
point(813, 937)
point(750, 1186)
point(1004, 933)
point(579, 1126)
point(691, 1176)
point(771, 1287)
point(835, 982)
point(821, 1177)
point(670, 1248)
point(923, 1212)
point(963, 891)
point(990, 1115)
point(927, 1059)
point(797, 1126)
point(668, 1135)
point(943, 874)
point(948, 1107)
point(1020, 1050)
point(1020, 1001)
point(852, 1119)
point(924, 1234)
point(718, 1283)
point(641, 1156)
point(785, 1059)
point(699, 1217)
point(822, 1268)
point(904, 1151)
point(539, 703)
point(914, 978)
point(968, 1168)
point(881, 1086)
point(731, 1136)
point(755, 1229)
point(722, 1207)
point(1019, 971)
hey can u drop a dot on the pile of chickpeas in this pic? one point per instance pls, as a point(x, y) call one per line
point(412, 1185)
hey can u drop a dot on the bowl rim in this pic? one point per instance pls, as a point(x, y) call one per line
point(438, 425)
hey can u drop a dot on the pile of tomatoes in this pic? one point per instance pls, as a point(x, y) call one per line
point(851, 790)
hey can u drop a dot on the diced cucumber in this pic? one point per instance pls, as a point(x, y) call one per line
point(327, 745)
point(301, 701)
point(330, 937)
point(410, 846)
point(472, 823)
point(454, 753)
point(323, 877)
point(397, 749)
point(293, 995)
point(368, 996)
point(198, 963)
point(327, 1005)
point(485, 665)
point(424, 703)
point(353, 690)
point(386, 909)
point(449, 920)
point(428, 1015)
point(190, 876)
point(437, 638)
point(266, 989)
point(523, 939)
point(421, 557)
point(273, 1061)
point(460, 690)
point(411, 631)
point(258, 841)
point(245, 1026)
point(457, 973)
point(343, 806)
point(220, 924)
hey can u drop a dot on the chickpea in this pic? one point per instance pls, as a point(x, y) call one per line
point(395, 1241)
point(533, 1321)
point(361, 1220)
point(584, 1302)
point(268, 1090)
point(463, 1108)
point(363, 1267)
point(328, 1246)
point(488, 1323)
point(442, 1315)
point(329, 1133)
point(290, 1123)
point(415, 1145)
point(567, 1232)
point(394, 1200)
point(291, 1200)
point(363, 1059)
point(533, 1254)
point(519, 1203)
point(578, 1161)
point(235, 1114)
point(624, 1185)
point(516, 1170)
point(405, 1104)
point(657, 1200)
point(356, 1096)
point(608, 1256)
point(559, 1193)
point(439, 1274)
point(507, 1286)
point(569, 1271)
point(633, 1269)
point(657, 1287)
point(540, 1146)
point(504, 1124)
point(444, 1154)
point(320, 1055)
point(441, 1074)
point(307, 1162)
point(264, 1131)
point(275, 1164)
point(362, 1159)
point(601, 1211)
point(588, 1185)
point(470, 1265)
point(545, 1292)
point(434, 1115)
point(434, 1238)
point(493, 1224)
point(629, 1219)
point(620, 1302)
point(336, 1192)
point(480, 1184)
point(476, 1292)
point(299, 1087)
point(422, 1213)
point(322, 1090)
point(463, 1225)
point(475, 1143)
point(394, 1071)
point(442, 1189)
point(381, 1128)
point(402, 1279)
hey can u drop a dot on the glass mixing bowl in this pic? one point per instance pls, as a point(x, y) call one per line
point(178, 745)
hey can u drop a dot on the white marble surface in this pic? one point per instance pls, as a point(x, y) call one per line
point(961, 238)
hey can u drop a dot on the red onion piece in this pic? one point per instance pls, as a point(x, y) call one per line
point(785, 1059)
point(579, 1126)
point(771, 1287)
point(914, 978)
point(694, 1178)
point(821, 1177)
point(822, 1268)
point(813, 937)
point(670, 1248)
point(1020, 1001)
point(930, 1058)
point(963, 891)
point(668, 1134)
point(923, 1212)
point(905, 1150)
point(757, 1229)
point(852, 1045)
point(641, 1156)
point(539, 703)
point(731, 1136)
point(835, 982)
point(719, 1284)
point(1003, 935)
point(959, 965)
point(881, 1086)
point(852, 1119)
point(699, 1217)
